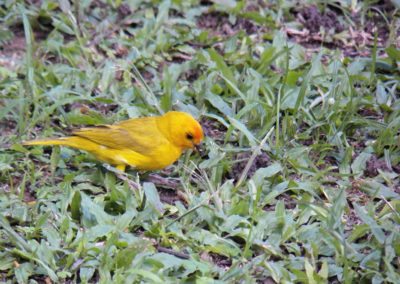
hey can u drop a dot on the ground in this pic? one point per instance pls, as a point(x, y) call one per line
point(297, 180)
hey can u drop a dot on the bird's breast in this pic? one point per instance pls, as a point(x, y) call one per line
point(166, 155)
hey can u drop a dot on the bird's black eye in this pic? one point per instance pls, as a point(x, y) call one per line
point(189, 136)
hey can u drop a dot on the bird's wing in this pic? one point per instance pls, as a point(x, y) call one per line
point(139, 135)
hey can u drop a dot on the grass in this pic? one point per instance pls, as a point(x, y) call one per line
point(299, 178)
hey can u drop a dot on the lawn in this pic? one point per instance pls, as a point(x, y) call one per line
point(298, 177)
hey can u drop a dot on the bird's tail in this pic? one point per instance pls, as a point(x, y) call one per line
point(75, 142)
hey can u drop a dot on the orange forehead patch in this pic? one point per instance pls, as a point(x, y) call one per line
point(198, 132)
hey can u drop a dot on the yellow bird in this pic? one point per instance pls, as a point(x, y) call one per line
point(146, 143)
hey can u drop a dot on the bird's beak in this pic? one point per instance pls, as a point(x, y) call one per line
point(199, 148)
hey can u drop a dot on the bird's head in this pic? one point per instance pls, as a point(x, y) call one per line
point(184, 131)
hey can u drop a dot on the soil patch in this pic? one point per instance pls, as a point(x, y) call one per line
point(217, 259)
point(218, 24)
point(261, 161)
point(214, 129)
point(329, 27)
point(289, 201)
point(313, 19)
point(7, 127)
point(168, 196)
point(373, 165)
point(12, 51)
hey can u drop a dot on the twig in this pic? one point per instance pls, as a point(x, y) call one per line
point(390, 205)
point(253, 157)
point(172, 252)
point(166, 182)
point(78, 17)
point(123, 176)
point(201, 204)
point(132, 185)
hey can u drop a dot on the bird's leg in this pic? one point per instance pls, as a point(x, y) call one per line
point(121, 168)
